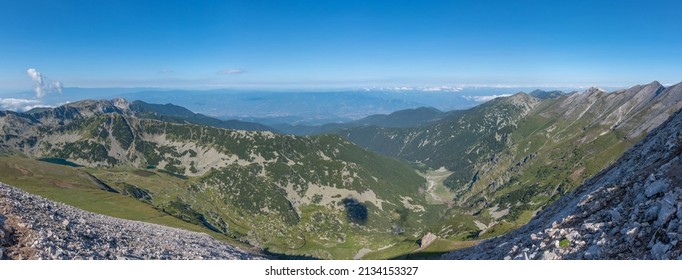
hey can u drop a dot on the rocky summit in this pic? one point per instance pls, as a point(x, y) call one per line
point(631, 210)
point(32, 227)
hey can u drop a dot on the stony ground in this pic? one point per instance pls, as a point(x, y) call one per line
point(32, 227)
point(632, 210)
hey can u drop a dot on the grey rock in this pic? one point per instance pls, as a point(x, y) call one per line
point(615, 215)
point(651, 178)
point(665, 213)
point(652, 213)
point(673, 225)
point(549, 255)
point(631, 234)
point(655, 188)
point(659, 249)
point(593, 252)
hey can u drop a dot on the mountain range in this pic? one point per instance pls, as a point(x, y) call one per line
point(511, 156)
point(371, 188)
point(284, 193)
point(402, 118)
point(294, 107)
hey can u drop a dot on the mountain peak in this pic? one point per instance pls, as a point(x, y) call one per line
point(655, 82)
point(594, 90)
point(90, 106)
point(521, 99)
point(520, 96)
point(541, 94)
point(121, 103)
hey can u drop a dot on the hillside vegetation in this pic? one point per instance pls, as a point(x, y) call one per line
point(512, 156)
point(319, 196)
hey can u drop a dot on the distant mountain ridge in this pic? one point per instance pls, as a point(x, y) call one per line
point(402, 118)
point(307, 107)
point(541, 94)
point(174, 113)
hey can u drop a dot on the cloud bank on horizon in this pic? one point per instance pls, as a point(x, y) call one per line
point(20, 104)
point(485, 98)
point(42, 85)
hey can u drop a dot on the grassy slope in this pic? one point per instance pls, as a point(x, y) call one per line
point(73, 187)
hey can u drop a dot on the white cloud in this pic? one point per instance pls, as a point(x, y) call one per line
point(442, 88)
point(20, 105)
point(484, 98)
point(413, 88)
point(166, 71)
point(231, 71)
point(43, 85)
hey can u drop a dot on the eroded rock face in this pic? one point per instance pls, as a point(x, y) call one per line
point(427, 240)
point(36, 228)
point(631, 210)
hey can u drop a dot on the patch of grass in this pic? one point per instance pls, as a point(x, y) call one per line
point(443, 245)
point(499, 229)
point(564, 243)
point(400, 248)
point(408, 249)
point(436, 249)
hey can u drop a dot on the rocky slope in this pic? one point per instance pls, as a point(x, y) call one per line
point(32, 227)
point(631, 210)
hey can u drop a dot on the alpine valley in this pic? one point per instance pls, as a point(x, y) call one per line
point(415, 183)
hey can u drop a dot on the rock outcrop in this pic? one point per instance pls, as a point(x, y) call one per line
point(427, 240)
point(32, 227)
point(631, 210)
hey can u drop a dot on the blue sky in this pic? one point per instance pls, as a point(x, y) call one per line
point(331, 44)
